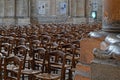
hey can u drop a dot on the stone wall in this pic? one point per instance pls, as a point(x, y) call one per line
point(95, 5)
point(14, 12)
point(78, 11)
point(48, 11)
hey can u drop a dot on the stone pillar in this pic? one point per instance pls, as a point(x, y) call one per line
point(1, 11)
point(39, 15)
point(9, 12)
point(73, 8)
point(111, 16)
point(9, 8)
point(78, 11)
point(53, 7)
point(69, 7)
point(22, 8)
point(33, 12)
point(14, 12)
point(83, 69)
point(80, 8)
point(22, 12)
point(106, 65)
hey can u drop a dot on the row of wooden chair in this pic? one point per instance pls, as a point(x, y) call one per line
point(34, 44)
point(14, 66)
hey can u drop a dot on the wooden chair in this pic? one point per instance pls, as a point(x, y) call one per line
point(72, 57)
point(38, 55)
point(21, 51)
point(76, 43)
point(1, 66)
point(45, 39)
point(56, 61)
point(12, 68)
point(51, 46)
point(5, 49)
point(34, 44)
point(69, 50)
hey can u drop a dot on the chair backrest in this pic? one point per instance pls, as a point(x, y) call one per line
point(5, 49)
point(68, 48)
point(38, 55)
point(52, 46)
point(1, 66)
point(45, 39)
point(76, 43)
point(56, 58)
point(12, 68)
point(35, 44)
point(21, 52)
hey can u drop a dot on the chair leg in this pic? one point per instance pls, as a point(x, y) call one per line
point(70, 75)
point(0, 75)
point(23, 76)
point(30, 77)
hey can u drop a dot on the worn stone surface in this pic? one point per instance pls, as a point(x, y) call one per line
point(105, 70)
point(87, 45)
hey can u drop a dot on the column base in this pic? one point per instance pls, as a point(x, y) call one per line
point(13, 21)
point(79, 20)
point(8, 21)
point(1, 21)
point(23, 21)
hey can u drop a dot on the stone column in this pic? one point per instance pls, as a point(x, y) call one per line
point(73, 8)
point(9, 8)
point(78, 11)
point(83, 69)
point(1, 10)
point(80, 8)
point(53, 7)
point(22, 8)
point(106, 64)
point(22, 11)
point(69, 7)
point(111, 16)
point(9, 12)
